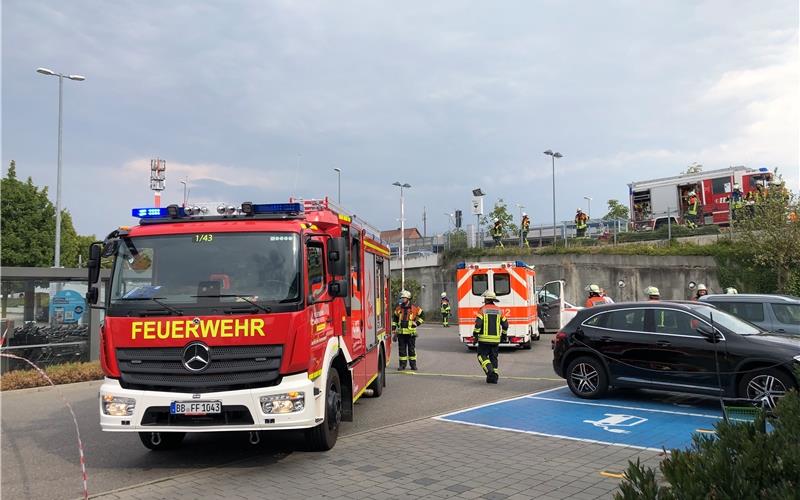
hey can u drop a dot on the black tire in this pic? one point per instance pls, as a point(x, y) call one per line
point(587, 378)
point(527, 345)
point(163, 440)
point(765, 388)
point(323, 437)
point(471, 347)
point(379, 383)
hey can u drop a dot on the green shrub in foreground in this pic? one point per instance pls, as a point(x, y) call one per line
point(740, 462)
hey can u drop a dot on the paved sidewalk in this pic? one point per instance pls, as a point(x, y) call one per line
point(421, 459)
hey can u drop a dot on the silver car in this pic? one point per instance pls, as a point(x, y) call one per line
point(773, 313)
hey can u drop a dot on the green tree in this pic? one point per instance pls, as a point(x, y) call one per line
point(28, 217)
point(457, 238)
point(616, 210)
point(411, 285)
point(500, 212)
point(768, 233)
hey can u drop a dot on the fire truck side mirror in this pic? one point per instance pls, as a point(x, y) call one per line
point(338, 288)
point(337, 256)
point(94, 263)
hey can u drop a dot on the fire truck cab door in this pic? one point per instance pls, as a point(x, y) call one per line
point(551, 305)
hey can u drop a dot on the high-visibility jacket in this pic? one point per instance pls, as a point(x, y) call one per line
point(692, 205)
point(497, 231)
point(526, 223)
point(594, 301)
point(445, 307)
point(580, 221)
point(406, 319)
point(490, 325)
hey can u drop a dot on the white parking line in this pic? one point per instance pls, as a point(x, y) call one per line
point(534, 433)
point(440, 417)
point(533, 396)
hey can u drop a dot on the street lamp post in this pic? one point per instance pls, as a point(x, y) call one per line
point(185, 187)
point(589, 200)
point(339, 178)
point(520, 207)
point(402, 234)
point(553, 155)
point(77, 78)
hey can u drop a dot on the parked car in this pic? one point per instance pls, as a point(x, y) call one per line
point(773, 313)
point(671, 346)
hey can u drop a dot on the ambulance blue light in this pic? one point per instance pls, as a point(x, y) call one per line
point(519, 263)
point(461, 265)
point(150, 213)
point(277, 208)
point(763, 169)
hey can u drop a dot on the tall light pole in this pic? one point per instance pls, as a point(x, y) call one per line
point(185, 187)
point(402, 234)
point(339, 176)
point(77, 78)
point(553, 155)
point(589, 199)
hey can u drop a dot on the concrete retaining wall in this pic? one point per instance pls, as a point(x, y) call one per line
point(670, 274)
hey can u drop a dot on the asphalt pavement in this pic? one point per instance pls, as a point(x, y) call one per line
point(39, 449)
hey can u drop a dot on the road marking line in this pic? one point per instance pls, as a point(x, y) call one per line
point(443, 417)
point(534, 433)
point(626, 407)
point(613, 475)
point(408, 372)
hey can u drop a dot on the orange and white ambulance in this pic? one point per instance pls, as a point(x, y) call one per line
point(514, 283)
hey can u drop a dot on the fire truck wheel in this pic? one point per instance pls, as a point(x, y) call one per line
point(323, 436)
point(379, 383)
point(158, 441)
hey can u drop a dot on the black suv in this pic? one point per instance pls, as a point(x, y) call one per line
point(671, 346)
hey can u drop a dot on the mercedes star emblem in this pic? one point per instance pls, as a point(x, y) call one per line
point(196, 357)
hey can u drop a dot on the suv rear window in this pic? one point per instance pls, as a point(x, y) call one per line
point(746, 310)
point(788, 314)
point(626, 319)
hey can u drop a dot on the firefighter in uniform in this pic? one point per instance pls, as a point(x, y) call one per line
point(581, 220)
point(490, 329)
point(444, 308)
point(691, 210)
point(497, 233)
point(737, 202)
point(653, 294)
point(405, 320)
point(701, 290)
point(525, 226)
point(595, 296)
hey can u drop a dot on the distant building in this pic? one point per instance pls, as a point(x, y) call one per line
point(393, 236)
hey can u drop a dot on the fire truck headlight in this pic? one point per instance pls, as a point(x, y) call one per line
point(289, 402)
point(117, 406)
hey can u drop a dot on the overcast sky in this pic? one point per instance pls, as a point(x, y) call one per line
point(258, 100)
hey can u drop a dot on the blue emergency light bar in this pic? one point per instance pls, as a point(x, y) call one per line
point(150, 213)
point(277, 208)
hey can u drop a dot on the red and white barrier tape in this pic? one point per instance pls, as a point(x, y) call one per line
point(74, 420)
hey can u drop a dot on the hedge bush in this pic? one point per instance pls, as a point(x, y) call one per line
point(65, 373)
point(741, 461)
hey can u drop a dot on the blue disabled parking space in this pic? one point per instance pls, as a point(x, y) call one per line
point(633, 418)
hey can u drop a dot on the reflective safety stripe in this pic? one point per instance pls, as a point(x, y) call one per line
point(403, 358)
point(412, 358)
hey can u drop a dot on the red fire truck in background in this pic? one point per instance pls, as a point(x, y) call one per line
point(259, 317)
point(654, 202)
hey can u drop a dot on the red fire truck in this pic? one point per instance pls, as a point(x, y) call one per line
point(654, 202)
point(259, 317)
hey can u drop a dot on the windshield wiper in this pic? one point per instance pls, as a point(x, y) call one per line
point(240, 297)
point(157, 300)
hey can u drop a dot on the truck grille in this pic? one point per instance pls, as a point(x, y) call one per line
point(231, 368)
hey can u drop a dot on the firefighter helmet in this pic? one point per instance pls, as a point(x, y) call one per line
point(405, 294)
point(444, 295)
point(731, 291)
point(487, 296)
point(652, 291)
point(593, 288)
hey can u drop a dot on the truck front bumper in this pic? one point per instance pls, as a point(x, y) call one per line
point(241, 410)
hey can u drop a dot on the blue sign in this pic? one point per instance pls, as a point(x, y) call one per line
point(67, 307)
point(643, 420)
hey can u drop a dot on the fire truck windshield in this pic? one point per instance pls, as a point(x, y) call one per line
point(196, 269)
